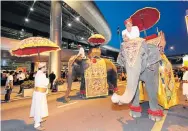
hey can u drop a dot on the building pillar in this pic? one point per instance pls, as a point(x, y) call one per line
point(56, 37)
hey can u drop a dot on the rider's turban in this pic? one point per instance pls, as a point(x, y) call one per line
point(128, 20)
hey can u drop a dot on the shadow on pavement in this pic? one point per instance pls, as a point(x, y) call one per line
point(138, 124)
point(62, 99)
point(16, 125)
point(77, 97)
point(177, 119)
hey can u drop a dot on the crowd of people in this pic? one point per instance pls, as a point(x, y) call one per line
point(9, 79)
point(18, 77)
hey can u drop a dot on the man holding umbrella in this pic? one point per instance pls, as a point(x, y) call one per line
point(39, 107)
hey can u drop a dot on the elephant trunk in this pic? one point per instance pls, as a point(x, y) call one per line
point(69, 82)
point(133, 74)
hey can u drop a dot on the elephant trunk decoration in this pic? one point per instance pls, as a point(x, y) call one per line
point(141, 61)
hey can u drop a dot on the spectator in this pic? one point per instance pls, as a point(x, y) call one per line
point(3, 78)
point(9, 87)
point(52, 77)
point(21, 78)
point(31, 76)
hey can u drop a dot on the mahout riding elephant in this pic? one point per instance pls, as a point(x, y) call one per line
point(141, 61)
point(77, 66)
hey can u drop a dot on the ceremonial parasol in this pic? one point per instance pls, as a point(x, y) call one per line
point(145, 18)
point(33, 46)
point(96, 39)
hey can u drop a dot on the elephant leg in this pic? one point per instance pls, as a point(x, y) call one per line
point(82, 85)
point(69, 83)
point(112, 81)
point(135, 108)
point(152, 83)
point(70, 77)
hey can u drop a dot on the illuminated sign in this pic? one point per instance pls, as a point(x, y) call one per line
point(186, 20)
point(185, 61)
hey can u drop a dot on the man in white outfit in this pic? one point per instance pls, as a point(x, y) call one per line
point(81, 52)
point(39, 107)
point(131, 32)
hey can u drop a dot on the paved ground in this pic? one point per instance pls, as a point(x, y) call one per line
point(92, 115)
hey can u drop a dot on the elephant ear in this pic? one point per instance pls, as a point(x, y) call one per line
point(153, 55)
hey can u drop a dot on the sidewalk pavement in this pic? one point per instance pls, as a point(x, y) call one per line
point(19, 101)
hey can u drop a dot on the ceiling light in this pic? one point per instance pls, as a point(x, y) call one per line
point(172, 48)
point(26, 19)
point(31, 9)
point(22, 29)
point(69, 24)
point(77, 18)
point(82, 38)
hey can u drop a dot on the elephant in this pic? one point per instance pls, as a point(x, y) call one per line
point(77, 66)
point(141, 61)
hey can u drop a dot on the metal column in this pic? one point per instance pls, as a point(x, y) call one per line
point(55, 36)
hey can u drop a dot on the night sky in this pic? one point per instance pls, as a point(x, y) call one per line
point(172, 21)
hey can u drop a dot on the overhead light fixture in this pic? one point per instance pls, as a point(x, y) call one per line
point(69, 24)
point(82, 38)
point(22, 29)
point(26, 20)
point(77, 19)
point(172, 48)
point(31, 9)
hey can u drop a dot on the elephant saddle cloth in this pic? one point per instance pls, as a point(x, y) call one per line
point(96, 79)
point(154, 41)
point(131, 49)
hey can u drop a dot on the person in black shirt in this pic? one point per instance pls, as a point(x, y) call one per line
point(52, 77)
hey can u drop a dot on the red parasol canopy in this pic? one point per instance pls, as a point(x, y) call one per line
point(33, 46)
point(145, 18)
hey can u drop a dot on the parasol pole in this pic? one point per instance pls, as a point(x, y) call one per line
point(38, 53)
point(143, 26)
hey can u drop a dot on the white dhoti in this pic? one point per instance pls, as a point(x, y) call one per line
point(39, 107)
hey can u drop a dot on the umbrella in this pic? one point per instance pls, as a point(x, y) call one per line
point(33, 46)
point(96, 39)
point(145, 18)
